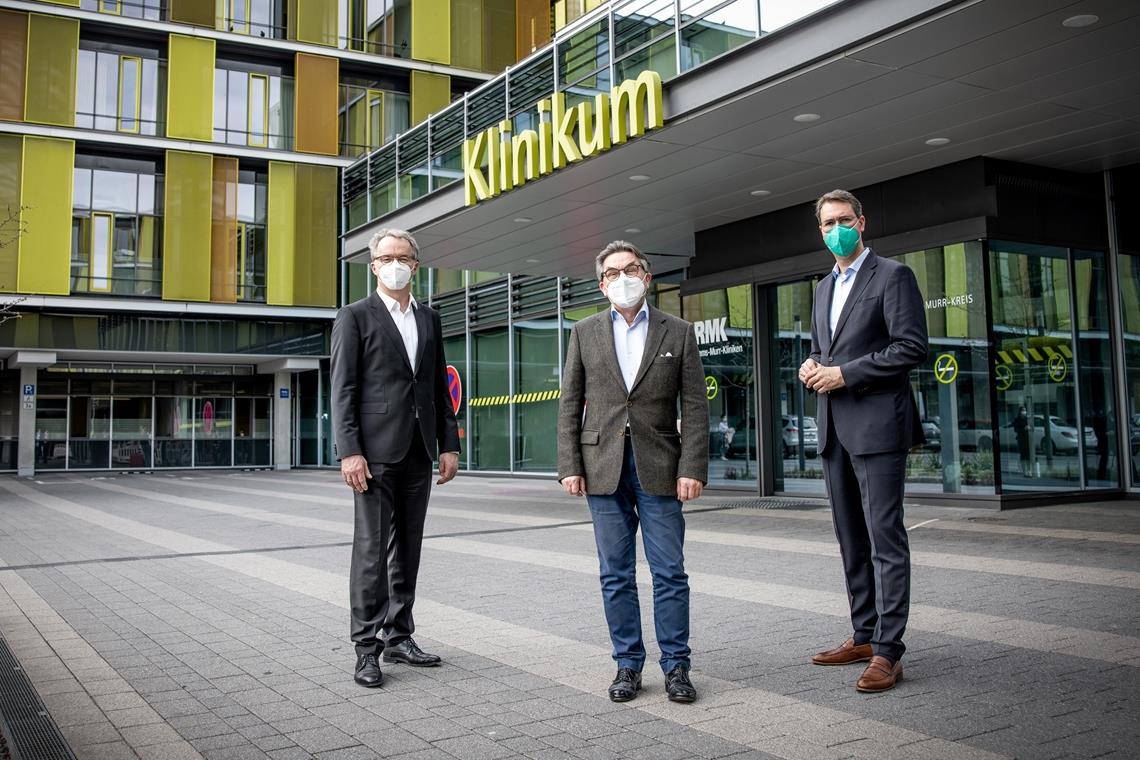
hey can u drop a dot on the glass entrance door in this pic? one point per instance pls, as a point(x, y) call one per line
point(1055, 405)
point(798, 467)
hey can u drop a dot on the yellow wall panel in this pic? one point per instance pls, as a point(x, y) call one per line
point(314, 273)
point(45, 248)
point(13, 64)
point(316, 104)
point(11, 150)
point(430, 93)
point(196, 12)
point(499, 37)
point(190, 90)
point(431, 30)
point(315, 21)
point(280, 246)
point(187, 226)
point(223, 231)
point(53, 52)
point(467, 33)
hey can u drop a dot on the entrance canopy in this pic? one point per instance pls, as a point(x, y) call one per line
point(858, 93)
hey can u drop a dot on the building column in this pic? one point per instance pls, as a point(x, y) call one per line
point(282, 369)
point(29, 363)
point(282, 420)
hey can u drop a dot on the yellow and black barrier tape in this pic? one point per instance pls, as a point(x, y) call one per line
point(1032, 353)
point(518, 398)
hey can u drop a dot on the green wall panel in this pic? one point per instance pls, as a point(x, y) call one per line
point(430, 93)
point(11, 150)
point(53, 52)
point(280, 238)
point(45, 247)
point(187, 226)
point(190, 90)
point(431, 30)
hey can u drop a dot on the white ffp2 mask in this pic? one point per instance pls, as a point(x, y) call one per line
point(625, 292)
point(395, 275)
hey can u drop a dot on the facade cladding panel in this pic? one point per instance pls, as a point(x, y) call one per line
point(190, 88)
point(49, 94)
point(45, 199)
point(316, 104)
point(11, 161)
point(13, 64)
point(187, 230)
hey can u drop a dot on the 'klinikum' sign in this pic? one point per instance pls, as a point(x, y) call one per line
point(563, 137)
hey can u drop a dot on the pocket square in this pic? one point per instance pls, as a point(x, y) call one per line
point(666, 355)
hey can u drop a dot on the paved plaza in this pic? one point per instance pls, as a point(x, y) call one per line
point(205, 615)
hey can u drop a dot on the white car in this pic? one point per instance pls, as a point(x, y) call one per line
point(1062, 436)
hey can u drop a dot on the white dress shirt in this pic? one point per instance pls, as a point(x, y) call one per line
point(629, 341)
point(844, 282)
point(405, 323)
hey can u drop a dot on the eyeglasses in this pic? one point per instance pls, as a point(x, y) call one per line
point(633, 270)
point(385, 260)
point(846, 221)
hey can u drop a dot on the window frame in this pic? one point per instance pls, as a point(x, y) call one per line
point(109, 277)
point(119, 120)
point(251, 140)
point(238, 28)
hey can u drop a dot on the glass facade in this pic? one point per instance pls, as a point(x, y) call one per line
point(118, 89)
point(87, 417)
point(253, 108)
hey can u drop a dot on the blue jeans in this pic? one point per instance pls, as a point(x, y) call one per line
point(663, 534)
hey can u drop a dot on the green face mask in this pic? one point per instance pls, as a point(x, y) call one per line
point(841, 241)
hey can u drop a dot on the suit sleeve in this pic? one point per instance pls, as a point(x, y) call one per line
point(905, 317)
point(447, 429)
point(570, 405)
point(694, 462)
point(345, 391)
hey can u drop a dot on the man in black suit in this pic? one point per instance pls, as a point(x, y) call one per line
point(392, 412)
point(868, 332)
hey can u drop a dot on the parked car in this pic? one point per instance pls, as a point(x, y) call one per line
point(933, 435)
point(1062, 436)
point(791, 436)
point(975, 435)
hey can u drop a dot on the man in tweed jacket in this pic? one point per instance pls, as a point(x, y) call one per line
point(629, 370)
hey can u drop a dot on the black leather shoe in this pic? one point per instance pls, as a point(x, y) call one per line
point(408, 653)
point(626, 684)
point(368, 671)
point(678, 686)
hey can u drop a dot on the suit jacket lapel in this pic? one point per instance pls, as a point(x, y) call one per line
point(821, 312)
point(653, 340)
point(388, 326)
point(866, 272)
point(606, 327)
point(423, 326)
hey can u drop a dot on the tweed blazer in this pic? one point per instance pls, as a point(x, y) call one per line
point(595, 407)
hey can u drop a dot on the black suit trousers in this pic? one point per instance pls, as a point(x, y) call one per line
point(866, 493)
point(389, 530)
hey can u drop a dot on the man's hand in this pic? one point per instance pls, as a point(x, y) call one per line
point(575, 485)
point(689, 489)
point(806, 368)
point(355, 471)
point(824, 379)
point(448, 466)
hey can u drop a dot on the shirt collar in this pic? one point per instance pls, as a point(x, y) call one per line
point(392, 305)
point(642, 313)
point(853, 269)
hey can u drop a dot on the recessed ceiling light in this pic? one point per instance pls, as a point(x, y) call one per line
point(936, 142)
point(532, 261)
point(1084, 19)
point(761, 193)
point(805, 117)
point(523, 219)
point(639, 177)
point(633, 229)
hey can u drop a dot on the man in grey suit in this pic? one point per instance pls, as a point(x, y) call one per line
point(619, 444)
point(392, 413)
point(868, 332)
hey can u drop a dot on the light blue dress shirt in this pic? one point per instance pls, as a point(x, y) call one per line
point(629, 341)
point(844, 282)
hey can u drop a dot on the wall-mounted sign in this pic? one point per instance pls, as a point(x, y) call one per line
point(283, 392)
point(454, 388)
point(29, 390)
point(563, 137)
point(945, 368)
point(1003, 377)
point(1058, 368)
point(711, 387)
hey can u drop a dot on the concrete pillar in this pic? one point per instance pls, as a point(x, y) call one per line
point(282, 420)
point(29, 363)
point(26, 446)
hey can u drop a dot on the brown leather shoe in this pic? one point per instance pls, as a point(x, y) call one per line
point(844, 654)
point(880, 675)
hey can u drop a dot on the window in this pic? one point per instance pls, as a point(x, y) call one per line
point(252, 205)
point(117, 91)
point(116, 231)
point(254, 109)
point(370, 117)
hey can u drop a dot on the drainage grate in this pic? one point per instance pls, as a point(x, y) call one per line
point(30, 731)
point(773, 502)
